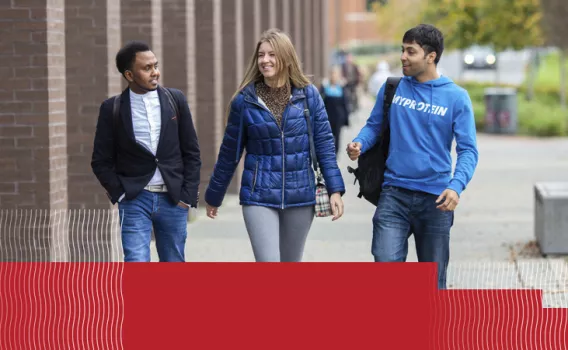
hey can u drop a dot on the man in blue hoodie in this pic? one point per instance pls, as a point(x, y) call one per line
point(419, 192)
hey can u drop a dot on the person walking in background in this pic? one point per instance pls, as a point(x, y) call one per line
point(419, 193)
point(378, 78)
point(146, 155)
point(336, 104)
point(266, 118)
point(352, 77)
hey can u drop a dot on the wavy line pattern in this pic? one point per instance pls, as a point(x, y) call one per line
point(59, 288)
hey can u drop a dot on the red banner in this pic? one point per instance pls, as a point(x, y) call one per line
point(263, 306)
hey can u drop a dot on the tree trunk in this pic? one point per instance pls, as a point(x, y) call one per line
point(562, 59)
point(533, 69)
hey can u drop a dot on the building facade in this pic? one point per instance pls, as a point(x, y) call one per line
point(57, 66)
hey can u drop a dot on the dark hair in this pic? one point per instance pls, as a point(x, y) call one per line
point(428, 37)
point(127, 55)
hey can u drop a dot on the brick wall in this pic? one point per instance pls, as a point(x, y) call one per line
point(57, 66)
point(32, 136)
point(87, 86)
point(348, 22)
point(32, 117)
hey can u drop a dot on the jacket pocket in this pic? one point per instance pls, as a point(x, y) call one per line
point(254, 177)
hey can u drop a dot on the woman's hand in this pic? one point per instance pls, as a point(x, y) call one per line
point(336, 205)
point(211, 211)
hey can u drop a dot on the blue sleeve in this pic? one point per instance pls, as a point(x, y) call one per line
point(229, 155)
point(466, 144)
point(369, 135)
point(324, 144)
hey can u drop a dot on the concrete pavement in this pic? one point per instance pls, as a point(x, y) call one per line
point(491, 239)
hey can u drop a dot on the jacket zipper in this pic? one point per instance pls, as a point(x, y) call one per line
point(255, 174)
point(292, 100)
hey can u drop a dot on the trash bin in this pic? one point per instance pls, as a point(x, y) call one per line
point(501, 110)
point(551, 221)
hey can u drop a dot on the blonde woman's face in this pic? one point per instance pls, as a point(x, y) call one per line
point(267, 62)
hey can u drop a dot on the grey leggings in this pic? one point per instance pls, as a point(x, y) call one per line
point(278, 234)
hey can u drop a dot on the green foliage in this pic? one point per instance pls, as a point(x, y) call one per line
point(542, 116)
point(501, 24)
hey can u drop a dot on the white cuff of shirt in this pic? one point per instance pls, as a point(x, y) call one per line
point(121, 197)
point(186, 204)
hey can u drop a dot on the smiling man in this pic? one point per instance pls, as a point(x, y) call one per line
point(146, 155)
point(419, 193)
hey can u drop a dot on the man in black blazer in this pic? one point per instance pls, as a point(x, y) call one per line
point(146, 156)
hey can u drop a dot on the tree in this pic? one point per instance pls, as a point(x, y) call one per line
point(503, 24)
point(395, 17)
point(555, 13)
point(457, 19)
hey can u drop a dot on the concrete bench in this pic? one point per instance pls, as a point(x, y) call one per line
point(551, 217)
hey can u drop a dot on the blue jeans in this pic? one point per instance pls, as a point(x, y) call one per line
point(153, 210)
point(400, 213)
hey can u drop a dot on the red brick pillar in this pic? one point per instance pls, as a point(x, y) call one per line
point(209, 81)
point(285, 6)
point(325, 34)
point(33, 142)
point(307, 36)
point(174, 66)
point(250, 35)
point(142, 20)
point(92, 41)
point(264, 15)
point(296, 26)
point(316, 41)
point(91, 78)
point(230, 36)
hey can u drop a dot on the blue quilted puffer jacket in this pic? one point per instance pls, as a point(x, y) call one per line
point(277, 169)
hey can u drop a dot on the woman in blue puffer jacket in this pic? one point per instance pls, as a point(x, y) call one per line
point(266, 118)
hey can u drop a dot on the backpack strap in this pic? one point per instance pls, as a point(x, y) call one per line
point(172, 101)
point(390, 90)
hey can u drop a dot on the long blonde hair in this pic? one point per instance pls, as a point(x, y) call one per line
point(286, 58)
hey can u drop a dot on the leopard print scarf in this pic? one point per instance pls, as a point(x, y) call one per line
point(275, 99)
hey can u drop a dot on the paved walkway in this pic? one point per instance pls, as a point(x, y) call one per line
point(491, 239)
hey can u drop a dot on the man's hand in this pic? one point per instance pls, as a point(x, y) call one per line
point(336, 206)
point(354, 150)
point(211, 211)
point(451, 200)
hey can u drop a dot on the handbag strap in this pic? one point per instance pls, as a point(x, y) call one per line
point(311, 136)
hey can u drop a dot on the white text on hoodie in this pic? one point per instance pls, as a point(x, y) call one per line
point(420, 106)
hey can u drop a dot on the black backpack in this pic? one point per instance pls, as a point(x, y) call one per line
point(372, 164)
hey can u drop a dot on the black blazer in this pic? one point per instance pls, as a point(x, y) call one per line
point(123, 166)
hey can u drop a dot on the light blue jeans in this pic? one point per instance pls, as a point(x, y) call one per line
point(153, 210)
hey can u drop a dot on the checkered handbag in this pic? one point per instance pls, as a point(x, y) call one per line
point(323, 205)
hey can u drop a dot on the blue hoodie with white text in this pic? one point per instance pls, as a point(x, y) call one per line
point(424, 119)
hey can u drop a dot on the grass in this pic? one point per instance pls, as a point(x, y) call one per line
point(542, 116)
point(549, 71)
